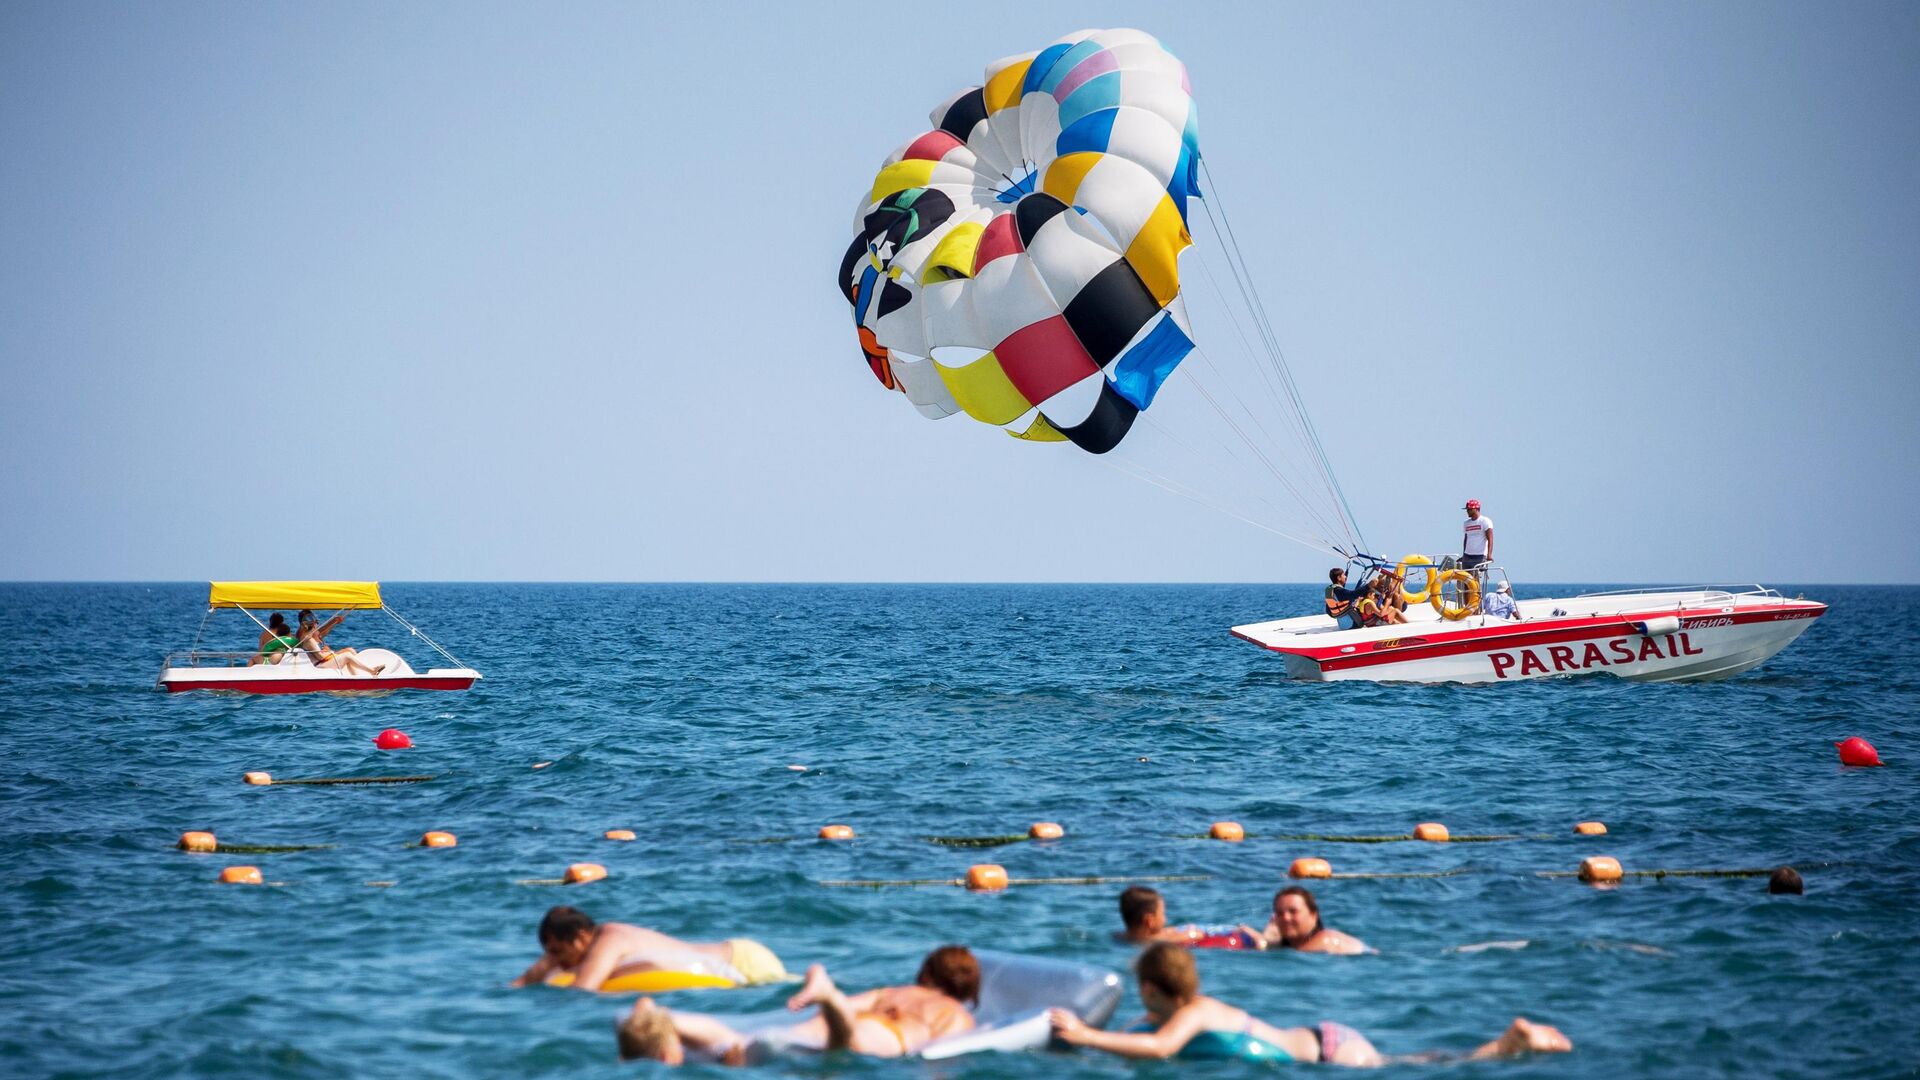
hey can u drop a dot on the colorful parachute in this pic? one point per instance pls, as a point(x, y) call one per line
point(1020, 263)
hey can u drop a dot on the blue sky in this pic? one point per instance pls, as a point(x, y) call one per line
point(437, 291)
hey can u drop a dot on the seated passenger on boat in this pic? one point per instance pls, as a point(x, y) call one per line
point(1499, 603)
point(313, 639)
point(275, 640)
point(1378, 606)
point(1182, 1021)
point(1340, 599)
point(571, 941)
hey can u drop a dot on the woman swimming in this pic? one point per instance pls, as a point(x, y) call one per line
point(1296, 925)
point(1182, 1021)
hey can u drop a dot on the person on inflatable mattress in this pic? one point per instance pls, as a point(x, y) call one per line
point(893, 1021)
point(571, 942)
point(1183, 1022)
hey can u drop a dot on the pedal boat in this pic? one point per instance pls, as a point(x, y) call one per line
point(293, 671)
point(1692, 634)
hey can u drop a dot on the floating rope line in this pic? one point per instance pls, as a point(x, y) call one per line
point(1663, 873)
point(1487, 838)
point(962, 882)
point(276, 782)
point(268, 849)
point(977, 841)
point(1456, 872)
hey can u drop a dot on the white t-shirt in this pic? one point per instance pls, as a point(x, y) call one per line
point(1477, 530)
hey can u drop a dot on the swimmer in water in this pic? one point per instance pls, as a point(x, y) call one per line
point(893, 1021)
point(1296, 925)
point(1143, 912)
point(571, 942)
point(1182, 1021)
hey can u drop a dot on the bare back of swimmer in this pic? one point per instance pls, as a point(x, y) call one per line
point(1180, 1018)
point(893, 1021)
point(594, 952)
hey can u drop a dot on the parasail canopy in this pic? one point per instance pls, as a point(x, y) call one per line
point(1020, 262)
point(336, 595)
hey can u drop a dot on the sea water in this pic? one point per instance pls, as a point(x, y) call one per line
point(726, 723)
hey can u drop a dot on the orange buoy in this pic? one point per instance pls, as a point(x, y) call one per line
point(836, 832)
point(1600, 870)
point(1430, 830)
point(582, 872)
point(987, 877)
point(241, 875)
point(258, 778)
point(1229, 831)
point(620, 834)
point(438, 839)
point(1310, 868)
point(1046, 830)
point(198, 841)
point(1590, 828)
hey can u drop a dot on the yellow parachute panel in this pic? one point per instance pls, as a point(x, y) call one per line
point(983, 390)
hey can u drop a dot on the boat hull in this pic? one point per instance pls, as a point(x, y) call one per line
point(178, 680)
point(1714, 637)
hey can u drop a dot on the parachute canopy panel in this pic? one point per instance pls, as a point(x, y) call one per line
point(1037, 230)
point(333, 595)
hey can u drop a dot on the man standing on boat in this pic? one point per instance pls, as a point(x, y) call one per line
point(1476, 545)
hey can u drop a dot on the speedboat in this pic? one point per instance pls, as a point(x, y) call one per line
point(293, 670)
point(1691, 634)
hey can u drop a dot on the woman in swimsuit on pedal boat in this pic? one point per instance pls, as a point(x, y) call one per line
point(313, 639)
point(1182, 1021)
point(893, 1021)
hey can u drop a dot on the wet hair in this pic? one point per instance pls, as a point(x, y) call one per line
point(1333, 575)
point(644, 1034)
point(1136, 904)
point(952, 970)
point(1170, 969)
point(1786, 880)
point(563, 923)
point(1305, 897)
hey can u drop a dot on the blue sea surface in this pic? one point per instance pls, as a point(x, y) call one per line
point(1126, 713)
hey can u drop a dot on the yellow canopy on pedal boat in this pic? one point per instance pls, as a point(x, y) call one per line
point(332, 595)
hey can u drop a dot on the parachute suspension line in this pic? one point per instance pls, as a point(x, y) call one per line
point(1145, 475)
point(1224, 228)
point(1280, 408)
point(1272, 469)
point(1274, 362)
point(1260, 501)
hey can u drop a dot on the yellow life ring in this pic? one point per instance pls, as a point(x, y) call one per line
point(653, 982)
point(1469, 595)
point(1401, 573)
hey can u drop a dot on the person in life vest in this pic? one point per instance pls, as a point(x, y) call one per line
point(1379, 607)
point(1476, 540)
point(1340, 599)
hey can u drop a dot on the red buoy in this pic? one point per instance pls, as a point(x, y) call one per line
point(393, 739)
point(1858, 751)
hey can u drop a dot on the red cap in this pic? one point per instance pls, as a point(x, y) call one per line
point(1473, 504)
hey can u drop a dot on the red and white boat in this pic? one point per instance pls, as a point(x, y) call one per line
point(1645, 635)
point(292, 670)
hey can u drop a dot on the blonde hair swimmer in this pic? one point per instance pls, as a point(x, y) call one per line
point(893, 1021)
point(1296, 925)
point(1182, 1021)
point(613, 956)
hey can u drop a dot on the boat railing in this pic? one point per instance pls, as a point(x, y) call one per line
point(1710, 592)
point(201, 658)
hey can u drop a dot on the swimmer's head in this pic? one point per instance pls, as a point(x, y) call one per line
point(565, 933)
point(647, 1032)
point(1786, 880)
point(1142, 910)
point(952, 970)
point(1168, 977)
point(1296, 913)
